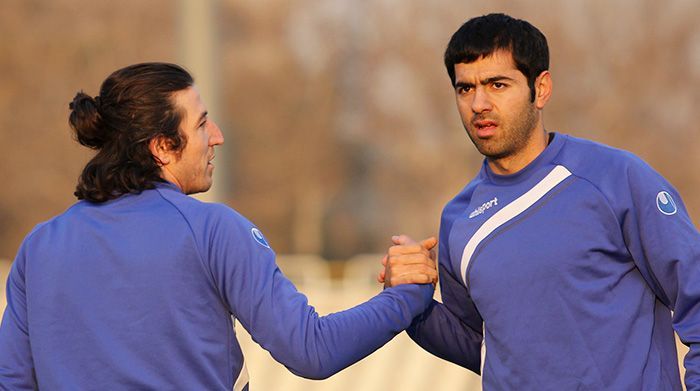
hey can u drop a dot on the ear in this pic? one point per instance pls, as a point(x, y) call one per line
point(160, 149)
point(543, 89)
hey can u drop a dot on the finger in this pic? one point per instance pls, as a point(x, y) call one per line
point(402, 240)
point(384, 259)
point(426, 277)
point(429, 243)
point(417, 272)
point(381, 276)
point(409, 259)
point(433, 254)
point(415, 248)
point(419, 269)
point(413, 278)
point(406, 269)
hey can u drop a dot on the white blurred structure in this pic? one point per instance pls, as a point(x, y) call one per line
point(4, 270)
point(196, 26)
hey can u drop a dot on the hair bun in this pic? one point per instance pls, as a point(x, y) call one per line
point(86, 121)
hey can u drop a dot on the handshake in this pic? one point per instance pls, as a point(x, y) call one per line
point(409, 262)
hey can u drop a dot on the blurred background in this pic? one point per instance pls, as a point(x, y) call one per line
point(339, 117)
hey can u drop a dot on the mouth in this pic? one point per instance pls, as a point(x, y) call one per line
point(209, 161)
point(484, 128)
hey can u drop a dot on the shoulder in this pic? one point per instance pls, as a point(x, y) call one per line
point(63, 218)
point(43, 235)
point(620, 176)
point(213, 223)
point(34, 236)
point(199, 212)
point(600, 163)
point(582, 153)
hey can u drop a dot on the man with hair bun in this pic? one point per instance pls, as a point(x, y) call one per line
point(564, 264)
point(134, 286)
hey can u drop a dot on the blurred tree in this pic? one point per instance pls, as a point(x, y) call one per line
point(340, 121)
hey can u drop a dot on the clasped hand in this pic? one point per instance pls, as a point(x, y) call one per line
point(409, 262)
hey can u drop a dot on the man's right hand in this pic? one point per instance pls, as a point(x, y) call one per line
point(409, 262)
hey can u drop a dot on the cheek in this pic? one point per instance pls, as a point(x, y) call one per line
point(521, 109)
point(202, 147)
point(465, 110)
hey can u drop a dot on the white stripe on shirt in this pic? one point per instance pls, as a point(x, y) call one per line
point(243, 378)
point(558, 174)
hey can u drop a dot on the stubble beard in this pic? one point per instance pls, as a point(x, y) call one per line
point(509, 140)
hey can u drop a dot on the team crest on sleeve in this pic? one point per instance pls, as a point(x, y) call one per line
point(665, 203)
point(258, 236)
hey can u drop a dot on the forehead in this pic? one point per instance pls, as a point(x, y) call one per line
point(190, 102)
point(498, 63)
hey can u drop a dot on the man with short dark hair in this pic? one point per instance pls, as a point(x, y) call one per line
point(562, 261)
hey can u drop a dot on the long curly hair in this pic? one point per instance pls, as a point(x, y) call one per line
point(135, 105)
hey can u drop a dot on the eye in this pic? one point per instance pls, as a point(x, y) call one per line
point(202, 125)
point(461, 90)
point(498, 85)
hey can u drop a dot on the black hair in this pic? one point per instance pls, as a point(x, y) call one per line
point(135, 105)
point(482, 36)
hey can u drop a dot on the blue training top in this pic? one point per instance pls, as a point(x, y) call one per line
point(568, 271)
point(139, 292)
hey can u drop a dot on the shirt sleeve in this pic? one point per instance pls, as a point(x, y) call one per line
point(451, 330)
point(280, 319)
point(665, 246)
point(16, 364)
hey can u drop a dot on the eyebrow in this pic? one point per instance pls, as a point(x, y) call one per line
point(486, 81)
point(495, 79)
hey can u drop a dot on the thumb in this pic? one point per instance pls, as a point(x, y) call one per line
point(402, 240)
point(429, 243)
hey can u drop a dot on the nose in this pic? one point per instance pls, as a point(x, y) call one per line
point(481, 101)
point(215, 135)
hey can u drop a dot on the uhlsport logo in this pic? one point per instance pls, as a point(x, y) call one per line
point(486, 205)
point(258, 236)
point(665, 203)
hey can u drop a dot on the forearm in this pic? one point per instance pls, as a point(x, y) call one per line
point(317, 347)
point(443, 334)
point(347, 337)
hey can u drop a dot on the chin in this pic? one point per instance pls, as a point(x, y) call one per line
point(493, 153)
point(199, 189)
point(205, 187)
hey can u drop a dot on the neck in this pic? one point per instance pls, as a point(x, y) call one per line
point(168, 176)
point(515, 162)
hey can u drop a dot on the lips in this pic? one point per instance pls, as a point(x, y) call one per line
point(484, 128)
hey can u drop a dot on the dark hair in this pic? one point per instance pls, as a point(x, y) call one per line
point(135, 105)
point(482, 36)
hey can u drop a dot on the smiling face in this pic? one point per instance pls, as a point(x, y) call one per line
point(191, 168)
point(493, 99)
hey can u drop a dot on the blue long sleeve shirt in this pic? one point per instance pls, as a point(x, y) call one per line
point(564, 276)
point(139, 293)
